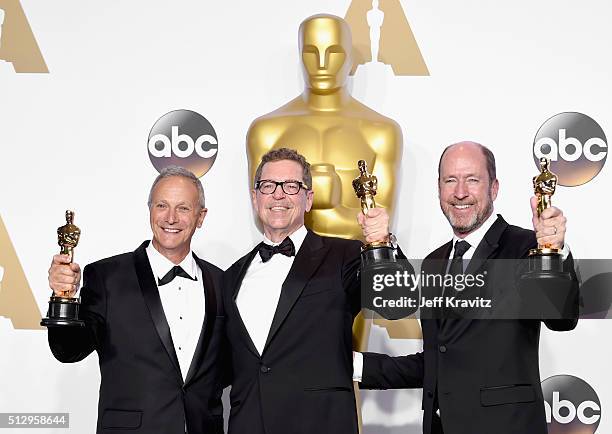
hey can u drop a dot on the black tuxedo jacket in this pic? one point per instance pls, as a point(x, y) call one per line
point(302, 382)
point(483, 375)
point(141, 388)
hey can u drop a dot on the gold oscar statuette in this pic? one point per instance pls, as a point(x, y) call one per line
point(544, 287)
point(544, 261)
point(544, 185)
point(64, 309)
point(365, 186)
point(378, 257)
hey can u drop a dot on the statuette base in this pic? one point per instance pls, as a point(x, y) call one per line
point(63, 312)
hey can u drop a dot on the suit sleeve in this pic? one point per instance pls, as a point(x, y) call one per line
point(381, 371)
point(73, 344)
point(351, 281)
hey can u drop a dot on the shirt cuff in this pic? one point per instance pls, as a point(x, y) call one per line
point(565, 251)
point(357, 366)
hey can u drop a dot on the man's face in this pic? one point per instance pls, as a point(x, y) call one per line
point(281, 214)
point(324, 45)
point(466, 195)
point(175, 214)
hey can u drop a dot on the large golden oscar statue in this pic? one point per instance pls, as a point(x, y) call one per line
point(333, 131)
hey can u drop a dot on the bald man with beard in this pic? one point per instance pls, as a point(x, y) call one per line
point(478, 376)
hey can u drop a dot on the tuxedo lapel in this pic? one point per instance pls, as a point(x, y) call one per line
point(485, 249)
point(487, 246)
point(235, 287)
point(209, 320)
point(242, 269)
point(306, 262)
point(439, 263)
point(442, 257)
point(146, 280)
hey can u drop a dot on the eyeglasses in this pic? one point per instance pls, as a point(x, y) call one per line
point(291, 187)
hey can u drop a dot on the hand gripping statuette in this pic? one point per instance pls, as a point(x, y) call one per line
point(64, 310)
point(365, 186)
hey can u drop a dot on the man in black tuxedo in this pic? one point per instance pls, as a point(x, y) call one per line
point(290, 305)
point(155, 318)
point(478, 376)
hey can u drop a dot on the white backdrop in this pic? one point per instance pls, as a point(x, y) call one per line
point(76, 138)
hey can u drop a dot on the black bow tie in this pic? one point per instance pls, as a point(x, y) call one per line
point(170, 275)
point(286, 248)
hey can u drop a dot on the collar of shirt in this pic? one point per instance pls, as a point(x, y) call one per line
point(475, 237)
point(297, 238)
point(161, 265)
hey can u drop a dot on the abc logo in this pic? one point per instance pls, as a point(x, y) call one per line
point(183, 138)
point(572, 406)
point(576, 146)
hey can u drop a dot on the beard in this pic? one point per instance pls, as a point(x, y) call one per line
point(463, 225)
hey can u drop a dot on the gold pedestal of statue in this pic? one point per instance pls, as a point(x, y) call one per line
point(64, 309)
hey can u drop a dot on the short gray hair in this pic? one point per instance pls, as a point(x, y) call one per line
point(285, 154)
point(182, 172)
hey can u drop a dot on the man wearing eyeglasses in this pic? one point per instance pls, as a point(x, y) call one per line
point(290, 304)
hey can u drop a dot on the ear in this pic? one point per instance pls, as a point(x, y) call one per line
point(254, 199)
point(203, 212)
point(494, 189)
point(309, 197)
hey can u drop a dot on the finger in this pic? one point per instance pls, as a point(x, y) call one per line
point(376, 235)
point(373, 239)
point(370, 223)
point(61, 270)
point(375, 212)
point(550, 232)
point(60, 259)
point(373, 230)
point(61, 289)
point(361, 219)
point(551, 212)
point(63, 279)
point(557, 222)
point(380, 219)
point(75, 267)
point(555, 241)
point(546, 231)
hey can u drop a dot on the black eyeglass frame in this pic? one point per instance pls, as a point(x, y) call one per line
point(301, 186)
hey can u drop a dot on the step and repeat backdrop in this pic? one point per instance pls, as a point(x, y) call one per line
point(88, 101)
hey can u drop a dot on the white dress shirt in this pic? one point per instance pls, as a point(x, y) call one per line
point(183, 304)
point(261, 289)
point(474, 239)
